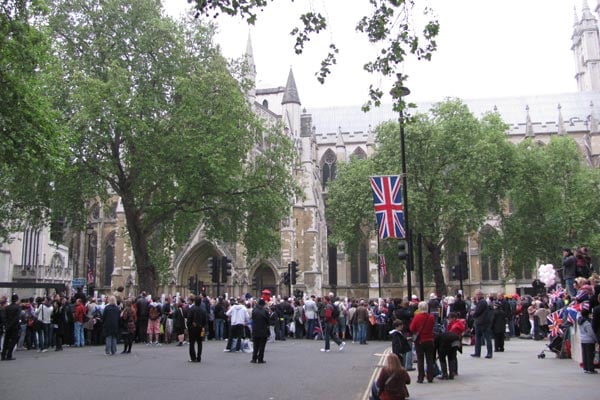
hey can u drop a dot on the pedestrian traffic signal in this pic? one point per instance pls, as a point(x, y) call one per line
point(286, 278)
point(294, 273)
point(213, 267)
point(454, 272)
point(402, 251)
point(225, 268)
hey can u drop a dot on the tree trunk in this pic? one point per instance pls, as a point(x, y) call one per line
point(146, 273)
point(438, 276)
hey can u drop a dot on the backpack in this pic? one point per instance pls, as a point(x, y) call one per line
point(335, 313)
point(153, 313)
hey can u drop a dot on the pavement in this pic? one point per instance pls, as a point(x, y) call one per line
point(295, 369)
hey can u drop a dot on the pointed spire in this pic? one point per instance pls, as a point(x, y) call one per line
point(528, 125)
point(251, 73)
point(250, 55)
point(561, 123)
point(291, 92)
point(593, 120)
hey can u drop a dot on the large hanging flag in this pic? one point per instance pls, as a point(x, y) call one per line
point(389, 210)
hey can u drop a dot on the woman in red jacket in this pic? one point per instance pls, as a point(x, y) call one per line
point(422, 325)
point(78, 317)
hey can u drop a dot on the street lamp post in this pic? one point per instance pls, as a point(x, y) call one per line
point(399, 92)
point(89, 230)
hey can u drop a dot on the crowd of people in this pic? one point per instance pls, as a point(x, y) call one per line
point(423, 330)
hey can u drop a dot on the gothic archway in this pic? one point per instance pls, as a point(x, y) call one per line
point(195, 268)
point(264, 277)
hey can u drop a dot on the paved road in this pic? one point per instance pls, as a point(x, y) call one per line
point(295, 369)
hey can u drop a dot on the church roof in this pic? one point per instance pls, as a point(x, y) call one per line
point(291, 91)
point(543, 110)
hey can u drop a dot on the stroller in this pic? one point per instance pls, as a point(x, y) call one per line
point(558, 345)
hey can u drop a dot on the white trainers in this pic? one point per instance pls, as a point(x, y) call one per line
point(342, 345)
point(325, 350)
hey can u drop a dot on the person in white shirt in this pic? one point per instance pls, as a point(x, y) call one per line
point(311, 312)
point(238, 316)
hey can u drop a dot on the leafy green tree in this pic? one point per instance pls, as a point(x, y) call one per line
point(390, 26)
point(457, 169)
point(30, 141)
point(156, 117)
point(553, 202)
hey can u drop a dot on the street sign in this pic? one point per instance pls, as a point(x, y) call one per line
point(78, 282)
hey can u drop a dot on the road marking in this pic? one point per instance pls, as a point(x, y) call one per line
point(379, 365)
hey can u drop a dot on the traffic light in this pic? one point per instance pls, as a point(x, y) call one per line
point(294, 273)
point(254, 282)
point(213, 266)
point(225, 268)
point(454, 272)
point(286, 278)
point(402, 251)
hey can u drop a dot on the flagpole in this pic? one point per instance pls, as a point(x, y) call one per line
point(398, 92)
point(378, 267)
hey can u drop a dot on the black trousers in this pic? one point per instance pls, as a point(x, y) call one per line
point(236, 332)
point(10, 340)
point(258, 353)
point(195, 339)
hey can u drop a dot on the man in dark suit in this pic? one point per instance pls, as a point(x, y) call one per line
point(196, 321)
point(12, 314)
point(260, 332)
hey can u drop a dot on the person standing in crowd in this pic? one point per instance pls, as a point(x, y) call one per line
point(422, 325)
point(59, 321)
point(260, 332)
point(179, 322)
point(483, 317)
point(153, 323)
point(331, 326)
point(44, 315)
point(238, 315)
point(588, 339)
point(141, 305)
point(79, 317)
point(392, 380)
point(311, 313)
point(110, 326)
point(3, 304)
point(400, 344)
point(569, 270)
point(196, 321)
point(128, 327)
point(361, 316)
point(12, 313)
point(220, 317)
point(498, 326)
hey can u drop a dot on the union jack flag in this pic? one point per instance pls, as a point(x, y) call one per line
point(389, 210)
point(383, 265)
point(569, 314)
point(555, 322)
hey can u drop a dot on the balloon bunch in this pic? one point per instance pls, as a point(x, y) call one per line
point(546, 274)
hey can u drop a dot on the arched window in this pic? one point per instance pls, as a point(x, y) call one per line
point(95, 211)
point(328, 166)
point(359, 265)
point(360, 154)
point(109, 258)
point(490, 264)
point(265, 104)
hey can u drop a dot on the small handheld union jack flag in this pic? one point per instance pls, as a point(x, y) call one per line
point(389, 210)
